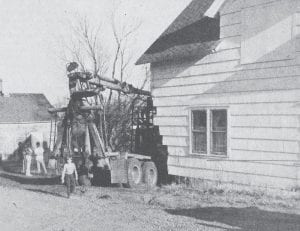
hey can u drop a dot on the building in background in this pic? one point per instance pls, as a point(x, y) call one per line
point(226, 84)
point(21, 115)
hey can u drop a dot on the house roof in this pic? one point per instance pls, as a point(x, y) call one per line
point(190, 29)
point(20, 107)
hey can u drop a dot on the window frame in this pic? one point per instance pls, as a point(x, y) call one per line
point(208, 110)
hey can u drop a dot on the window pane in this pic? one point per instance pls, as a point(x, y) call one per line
point(219, 132)
point(219, 143)
point(199, 142)
point(199, 120)
point(219, 120)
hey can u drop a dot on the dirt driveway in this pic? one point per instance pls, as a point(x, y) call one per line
point(44, 207)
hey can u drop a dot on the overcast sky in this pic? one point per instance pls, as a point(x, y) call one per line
point(32, 31)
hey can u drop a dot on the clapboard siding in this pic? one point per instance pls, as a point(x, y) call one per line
point(267, 157)
point(283, 72)
point(229, 43)
point(200, 69)
point(265, 121)
point(233, 177)
point(230, 31)
point(173, 121)
point(230, 19)
point(259, 70)
point(265, 145)
point(262, 169)
point(178, 130)
point(291, 82)
point(278, 108)
point(176, 141)
point(231, 98)
point(277, 158)
point(286, 134)
point(172, 111)
point(231, 7)
point(263, 99)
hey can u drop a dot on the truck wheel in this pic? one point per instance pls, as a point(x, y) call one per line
point(150, 174)
point(134, 171)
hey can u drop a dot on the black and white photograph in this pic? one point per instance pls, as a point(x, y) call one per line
point(149, 115)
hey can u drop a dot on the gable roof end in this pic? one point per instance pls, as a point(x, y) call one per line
point(190, 29)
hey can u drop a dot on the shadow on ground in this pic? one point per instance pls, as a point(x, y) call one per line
point(45, 192)
point(250, 218)
point(30, 180)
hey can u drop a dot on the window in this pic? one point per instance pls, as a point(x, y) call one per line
point(218, 132)
point(199, 132)
point(215, 134)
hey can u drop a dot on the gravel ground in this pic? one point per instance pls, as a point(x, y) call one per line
point(45, 207)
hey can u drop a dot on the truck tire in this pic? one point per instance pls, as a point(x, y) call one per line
point(134, 171)
point(150, 174)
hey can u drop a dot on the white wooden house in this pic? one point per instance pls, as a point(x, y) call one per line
point(21, 115)
point(226, 84)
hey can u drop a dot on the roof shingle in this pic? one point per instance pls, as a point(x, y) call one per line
point(19, 107)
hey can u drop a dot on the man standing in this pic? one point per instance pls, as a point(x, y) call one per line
point(68, 176)
point(39, 152)
point(27, 160)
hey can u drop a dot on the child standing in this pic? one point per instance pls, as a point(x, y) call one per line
point(68, 176)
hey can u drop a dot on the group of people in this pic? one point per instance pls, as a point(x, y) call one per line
point(69, 175)
point(28, 154)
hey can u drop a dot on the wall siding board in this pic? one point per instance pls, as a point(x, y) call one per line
point(230, 19)
point(263, 156)
point(262, 169)
point(286, 83)
point(175, 141)
point(265, 145)
point(254, 3)
point(231, 6)
point(173, 121)
point(231, 99)
point(280, 108)
point(278, 158)
point(231, 177)
point(265, 133)
point(172, 111)
point(170, 131)
point(254, 73)
point(229, 43)
point(200, 69)
point(230, 31)
point(265, 121)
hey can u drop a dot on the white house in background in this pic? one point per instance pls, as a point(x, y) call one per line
point(226, 85)
point(20, 115)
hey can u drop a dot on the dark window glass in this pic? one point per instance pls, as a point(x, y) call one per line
point(219, 132)
point(199, 126)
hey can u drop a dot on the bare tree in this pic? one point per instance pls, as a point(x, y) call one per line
point(87, 49)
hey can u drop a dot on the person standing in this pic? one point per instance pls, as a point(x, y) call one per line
point(67, 176)
point(39, 152)
point(28, 156)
